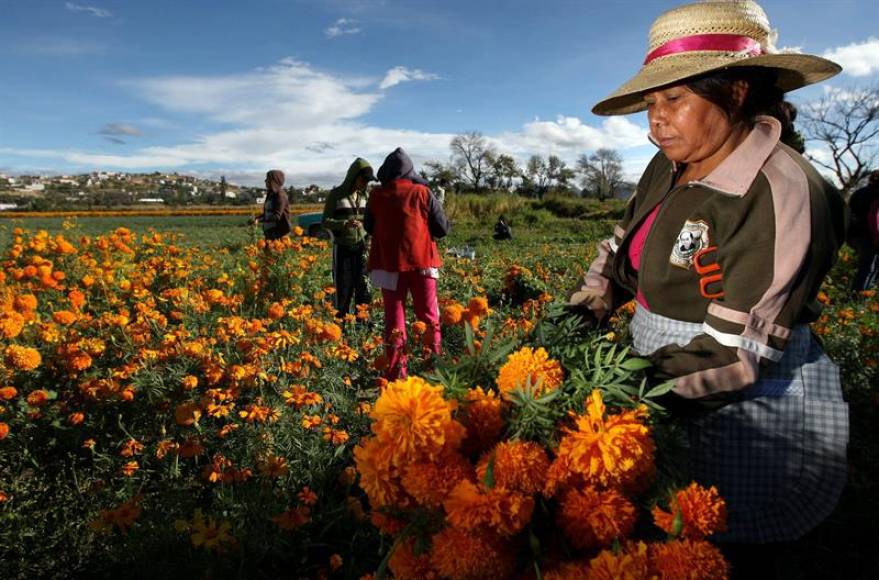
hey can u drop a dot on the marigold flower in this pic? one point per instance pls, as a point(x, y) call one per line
point(274, 466)
point(130, 468)
point(3, 497)
point(568, 571)
point(4, 430)
point(504, 512)
point(483, 418)
point(189, 382)
point(38, 398)
point(703, 512)
point(276, 311)
point(405, 565)
point(518, 466)
point(22, 358)
point(530, 366)
point(430, 482)
point(307, 496)
point(452, 314)
point(293, 518)
point(478, 306)
point(630, 563)
point(187, 414)
point(75, 418)
point(25, 303)
point(64, 317)
point(419, 327)
point(211, 534)
point(131, 448)
point(378, 477)
point(465, 555)
point(335, 559)
point(604, 451)
point(8, 393)
point(691, 559)
point(591, 518)
point(11, 324)
point(414, 421)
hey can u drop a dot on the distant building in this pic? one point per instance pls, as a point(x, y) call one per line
point(150, 200)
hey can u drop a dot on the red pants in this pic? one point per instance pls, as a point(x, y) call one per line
point(423, 291)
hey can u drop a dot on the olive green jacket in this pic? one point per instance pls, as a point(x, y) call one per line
point(344, 203)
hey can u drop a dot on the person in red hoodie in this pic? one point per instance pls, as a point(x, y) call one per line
point(404, 218)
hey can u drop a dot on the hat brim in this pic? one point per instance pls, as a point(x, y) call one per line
point(794, 71)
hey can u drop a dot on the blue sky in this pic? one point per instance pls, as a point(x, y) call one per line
point(221, 87)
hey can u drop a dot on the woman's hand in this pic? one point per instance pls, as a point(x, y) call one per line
point(590, 298)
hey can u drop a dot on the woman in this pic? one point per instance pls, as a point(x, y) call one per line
point(275, 216)
point(403, 218)
point(724, 246)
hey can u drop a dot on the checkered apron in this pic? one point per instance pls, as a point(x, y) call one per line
point(778, 456)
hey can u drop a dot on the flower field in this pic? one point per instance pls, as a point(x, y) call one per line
point(177, 399)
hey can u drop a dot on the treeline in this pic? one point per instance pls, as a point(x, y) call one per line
point(475, 165)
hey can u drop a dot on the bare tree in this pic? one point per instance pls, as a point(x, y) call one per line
point(471, 153)
point(847, 123)
point(602, 172)
point(440, 174)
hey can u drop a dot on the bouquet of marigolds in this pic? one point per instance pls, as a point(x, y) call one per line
point(465, 495)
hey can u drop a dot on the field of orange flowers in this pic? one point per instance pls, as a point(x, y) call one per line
point(181, 408)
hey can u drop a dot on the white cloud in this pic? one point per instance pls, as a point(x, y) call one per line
point(401, 74)
point(341, 27)
point(309, 123)
point(858, 59)
point(94, 11)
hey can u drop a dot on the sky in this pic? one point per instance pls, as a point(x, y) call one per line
point(235, 88)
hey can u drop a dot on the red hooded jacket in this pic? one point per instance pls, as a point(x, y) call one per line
point(401, 239)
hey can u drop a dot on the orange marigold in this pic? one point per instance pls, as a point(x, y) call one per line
point(530, 366)
point(22, 358)
point(691, 559)
point(4, 430)
point(64, 317)
point(406, 565)
point(566, 571)
point(25, 303)
point(414, 421)
point(518, 466)
point(630, 563)
point(38, 398)
point(8, 393)
point(430, 482)
point(452, 314)
point(187, 414)
point(478, 306)
point(483, 419)
point(471, 555)
point(703, 512)
point(604, 450)
point(11, 324)
point(378, 477)
point(591, 518)
point(470, 508)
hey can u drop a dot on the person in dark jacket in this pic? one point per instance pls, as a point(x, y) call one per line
point(860, 238)
point(724, 247)
point(404, 218)
point(502, 230)
point(275, 218)
point(343, 218)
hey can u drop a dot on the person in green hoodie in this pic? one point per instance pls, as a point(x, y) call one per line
point(343, 218)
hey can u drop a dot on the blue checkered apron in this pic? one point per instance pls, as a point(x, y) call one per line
point(778, 457)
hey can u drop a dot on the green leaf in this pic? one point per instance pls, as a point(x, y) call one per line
point(488, 480)
point(636, 364)
point(660, 389)
point(677, 524)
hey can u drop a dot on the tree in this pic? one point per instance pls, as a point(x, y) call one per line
point(537, 172)
point(602, 173)
point(471, 153)
point(558, 172)
point(847, 124)
point(438, 173)
point(502, 171)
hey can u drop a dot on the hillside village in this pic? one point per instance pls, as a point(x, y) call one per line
point(111, 189)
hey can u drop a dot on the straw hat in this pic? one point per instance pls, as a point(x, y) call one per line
point(712, 35)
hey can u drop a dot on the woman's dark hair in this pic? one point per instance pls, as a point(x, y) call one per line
point(763, 98)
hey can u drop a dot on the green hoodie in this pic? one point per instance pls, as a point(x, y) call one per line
point(343, 204)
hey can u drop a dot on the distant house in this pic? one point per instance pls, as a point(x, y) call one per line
point(7, 206)
point(150, 200)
